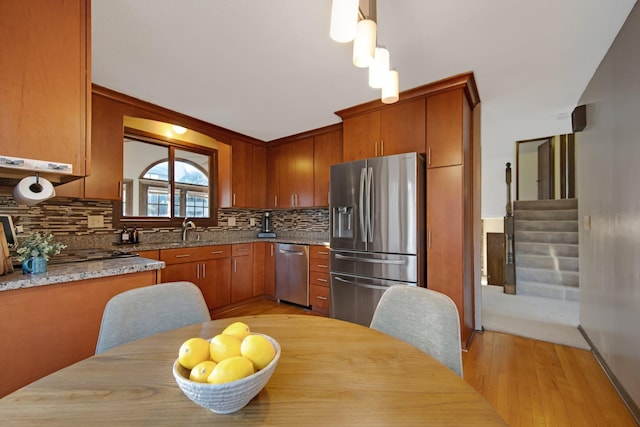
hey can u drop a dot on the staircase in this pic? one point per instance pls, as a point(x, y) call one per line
point(546, 248)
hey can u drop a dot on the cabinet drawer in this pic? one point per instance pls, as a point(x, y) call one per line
point(202, 253)
point(316, 251)
point(319, 296)
point(241, 249)
point(319, 265)
point(319, 279)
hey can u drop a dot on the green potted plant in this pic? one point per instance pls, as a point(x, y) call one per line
point(35, 250)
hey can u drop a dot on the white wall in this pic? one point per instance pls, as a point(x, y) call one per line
point(608, 177)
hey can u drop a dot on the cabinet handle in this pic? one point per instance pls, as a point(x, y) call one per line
point(323, 253)
point(183, 255)
point(204, 271)
point(375, 150)
point(429, 239)
point(241, 249)
point(271, 246)
point(120, 190)
point(235, 265)
point(321, 280)
point(216, 252)
point(275, 201)
point(322, 266)
point(322, 298)
point(197, 271)
point(382, 147)
point(234, 199)
point(429, 156)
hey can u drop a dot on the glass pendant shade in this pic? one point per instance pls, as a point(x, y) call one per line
point(390, 88)
point(379, 69)
point(344, 20)
point(364, 45)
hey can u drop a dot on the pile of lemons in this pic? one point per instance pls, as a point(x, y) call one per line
point(229, 356)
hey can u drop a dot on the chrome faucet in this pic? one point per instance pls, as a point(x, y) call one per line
point(186, 225)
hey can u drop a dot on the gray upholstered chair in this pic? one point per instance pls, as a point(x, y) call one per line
point(145, 311)
point(425, 319)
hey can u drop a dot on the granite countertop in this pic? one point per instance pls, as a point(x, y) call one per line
point(81, 264)
point(73, 271)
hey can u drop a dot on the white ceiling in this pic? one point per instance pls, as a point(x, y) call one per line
point(268, 69)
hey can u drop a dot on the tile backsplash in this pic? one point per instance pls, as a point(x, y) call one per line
point(67, 220)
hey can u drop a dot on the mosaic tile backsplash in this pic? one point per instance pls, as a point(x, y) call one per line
point(67, 220)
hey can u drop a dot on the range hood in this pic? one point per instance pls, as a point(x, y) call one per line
point(13, 169)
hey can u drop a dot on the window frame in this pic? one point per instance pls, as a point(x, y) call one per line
point(171, 221)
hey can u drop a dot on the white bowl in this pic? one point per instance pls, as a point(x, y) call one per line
point(227, 397)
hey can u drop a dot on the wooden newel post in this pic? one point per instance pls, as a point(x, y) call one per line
point(510, 268)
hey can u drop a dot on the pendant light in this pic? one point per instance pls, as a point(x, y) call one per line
point(344, 20)
point(379, 69)
point(390, 88)
point(364, 45)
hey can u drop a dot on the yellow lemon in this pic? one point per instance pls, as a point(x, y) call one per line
point(193, 351)
point(231, 369)
point(258, 349)
point(201, 371)
point(239, 329)
point(224, 346)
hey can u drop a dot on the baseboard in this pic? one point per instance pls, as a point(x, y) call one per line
point(626, 398)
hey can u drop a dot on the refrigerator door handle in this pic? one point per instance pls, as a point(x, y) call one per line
point(363, 229)
point(370, 204)
point(362, 285)
point(371, 261)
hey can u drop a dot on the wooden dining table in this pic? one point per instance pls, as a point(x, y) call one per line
point(330, 372)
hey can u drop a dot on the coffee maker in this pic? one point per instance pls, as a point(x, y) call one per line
point(266, 231)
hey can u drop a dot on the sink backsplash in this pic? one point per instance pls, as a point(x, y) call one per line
point(67, 220)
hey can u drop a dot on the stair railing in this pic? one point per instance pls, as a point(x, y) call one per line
point(510, 267)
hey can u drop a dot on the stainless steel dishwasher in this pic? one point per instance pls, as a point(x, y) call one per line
point(292, 273)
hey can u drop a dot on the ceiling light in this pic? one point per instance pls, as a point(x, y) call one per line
point(178, 129)
point(364, 45)
point(344, 20)
point(379, 69)
point(390, 88)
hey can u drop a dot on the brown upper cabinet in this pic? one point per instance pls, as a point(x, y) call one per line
point(327, 151)
point(46, 82)
point(445, 128)
point(290, 171)
point(393, 129)
point(249, 174)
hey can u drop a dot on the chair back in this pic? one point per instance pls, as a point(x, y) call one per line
point(149, 310)
point(425, 319)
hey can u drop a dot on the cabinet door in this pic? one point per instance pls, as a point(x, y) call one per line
point(187, 271)
point(259, 253)
point(273, 176)
point(270, 270)
point(215, 282)
point(241, 173)
point(302, 156)
point(241, 272)
point(402, 128)
point(445, 128)
point(46, 80)
point(361, 135)
point(327, 151)
point(259, 186)
point(445, 236)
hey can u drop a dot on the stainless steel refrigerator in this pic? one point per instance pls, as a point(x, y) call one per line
point(377, 222)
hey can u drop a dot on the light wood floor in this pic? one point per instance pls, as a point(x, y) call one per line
point(529, 382)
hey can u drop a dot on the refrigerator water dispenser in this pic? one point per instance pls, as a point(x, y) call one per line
point(343, 222)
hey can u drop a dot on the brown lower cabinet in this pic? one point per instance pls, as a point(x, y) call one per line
point(319, 279)
point(206, 266)
point(54, 326)
point(241, 272)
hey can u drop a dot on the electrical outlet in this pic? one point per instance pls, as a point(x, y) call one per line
point(232, 221)
point(586, 223)
point(95, 221)
point(252, 221)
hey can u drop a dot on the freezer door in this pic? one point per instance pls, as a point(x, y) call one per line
point(355, 299)
point(383, 266)
point(396, 188)
point(346, 205)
